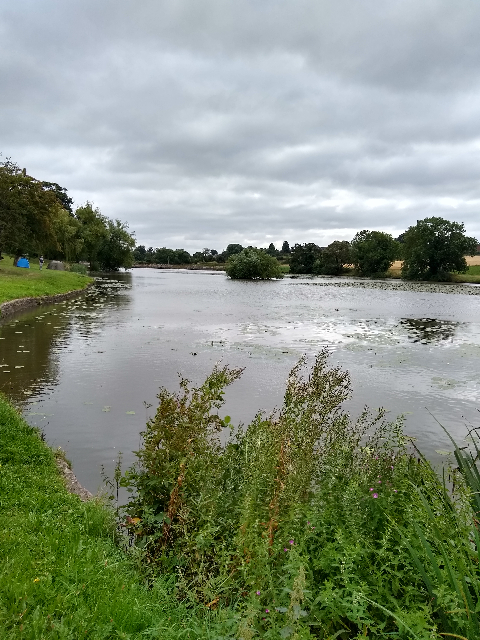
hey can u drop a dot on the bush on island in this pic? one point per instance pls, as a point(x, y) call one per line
point(253, 264)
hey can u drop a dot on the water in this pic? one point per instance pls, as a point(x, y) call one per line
point(85, 371)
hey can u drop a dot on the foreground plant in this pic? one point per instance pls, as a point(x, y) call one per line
point(305, 523)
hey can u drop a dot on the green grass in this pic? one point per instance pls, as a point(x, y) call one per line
point(24, 283)
point(61, 574)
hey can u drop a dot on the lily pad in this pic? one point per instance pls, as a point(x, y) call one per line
point(443, 452)
point(106, 409)
point(130, 413)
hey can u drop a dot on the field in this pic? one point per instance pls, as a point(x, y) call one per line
point(23, 283)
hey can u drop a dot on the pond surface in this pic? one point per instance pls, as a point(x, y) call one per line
point(85, 370)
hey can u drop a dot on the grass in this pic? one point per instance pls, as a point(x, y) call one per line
point(62, 576)
point(23, 283)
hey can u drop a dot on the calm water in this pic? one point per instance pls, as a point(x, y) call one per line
point(86, 370)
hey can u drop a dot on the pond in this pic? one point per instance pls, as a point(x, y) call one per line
point(87, 371)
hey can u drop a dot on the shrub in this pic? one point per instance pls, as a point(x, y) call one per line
point(333, 259)
point(373, 252)
point(78, 268)
point(253, 264)
point(305, 522)
point(434, 247)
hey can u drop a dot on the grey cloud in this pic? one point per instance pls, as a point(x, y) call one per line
point(243, 120)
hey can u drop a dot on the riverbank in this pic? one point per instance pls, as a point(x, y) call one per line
point(23, 288)
point(62, 574)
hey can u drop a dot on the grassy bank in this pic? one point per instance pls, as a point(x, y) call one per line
point(61, 573)
point(24, 283)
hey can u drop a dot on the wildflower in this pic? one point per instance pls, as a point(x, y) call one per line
point(380, 482)
point(285, 549)
point(290, 541)
point(395, 491)
point(37, 580)
point(371, 489)
point(267, 610)
point(375, 495)
point(258, 593)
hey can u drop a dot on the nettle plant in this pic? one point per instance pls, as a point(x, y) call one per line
point(305, 522)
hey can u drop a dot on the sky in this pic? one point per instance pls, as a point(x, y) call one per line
point(208, 122)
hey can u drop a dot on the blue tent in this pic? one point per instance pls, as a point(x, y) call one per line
point(23, 262)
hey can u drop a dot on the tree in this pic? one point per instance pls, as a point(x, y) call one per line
point(303, 257)
point(373, 252)
point(333, 259)
point(116, 247)
point(434, 247)
point(285, 247)
point(61, 195)
point(140, 253)
point(25, 212)
point(272, 251)
point(253, 264)
point(67, 230)
point(93, 231)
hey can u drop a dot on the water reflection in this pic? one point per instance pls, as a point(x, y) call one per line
point(30, 342)
point(427, 330)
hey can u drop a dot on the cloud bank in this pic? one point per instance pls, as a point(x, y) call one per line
point(204, 123)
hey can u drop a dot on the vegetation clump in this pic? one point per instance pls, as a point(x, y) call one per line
point(374, 252)
point(253, 264)
point(333, 259)
point(37, 218)
point(435, 247)
point(306, 523)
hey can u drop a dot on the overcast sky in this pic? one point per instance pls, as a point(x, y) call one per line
point(204, 122)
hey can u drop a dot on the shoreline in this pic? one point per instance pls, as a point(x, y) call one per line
point(11, 307)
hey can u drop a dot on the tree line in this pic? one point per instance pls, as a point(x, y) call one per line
point(38, 218)
point(181, 256)
point(431, 249)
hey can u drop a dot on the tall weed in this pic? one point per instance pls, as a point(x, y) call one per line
point(306, 523)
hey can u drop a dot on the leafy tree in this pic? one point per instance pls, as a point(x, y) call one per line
point(25, 212)
point(61, 195)
point(373, 252)
point(333, 259)
point(285, 247)
point(272, 251)
point(171, 256)
point(434, 247)
point(303, 257)
point(140, 253)
point(67, 230)
point(116, 248)
point(93, 231)
point(253, 264)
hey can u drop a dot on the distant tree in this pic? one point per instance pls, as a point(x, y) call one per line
point(272, 251)
point(140, 253)
point(116, 248)
point(233, 249)
point(373, 252)
point(333, 259)
point(253, 264)
point(93, 231)
point(197, 257)
point(303, 257)
point(434, 247)
point(150, 255)
point(285, 247)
